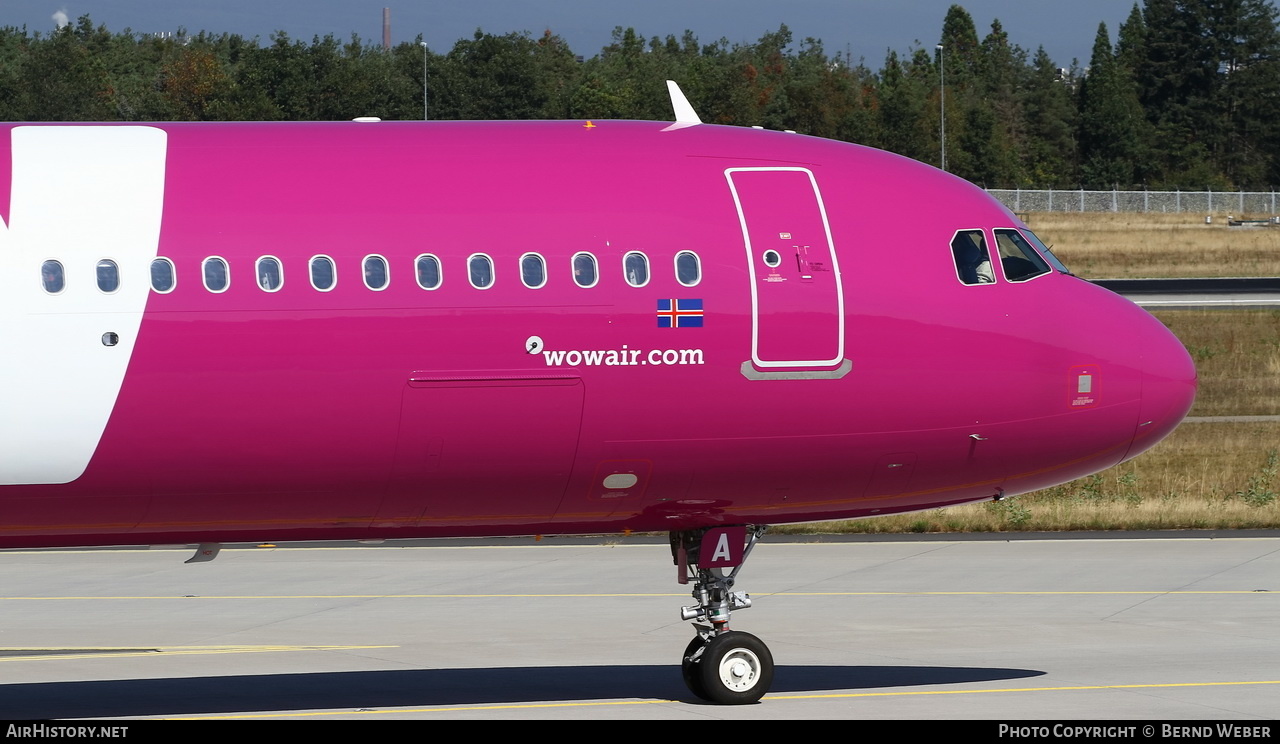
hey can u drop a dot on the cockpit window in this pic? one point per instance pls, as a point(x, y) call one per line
point(1047, 252)
point(973, 265)
point(1018, 259)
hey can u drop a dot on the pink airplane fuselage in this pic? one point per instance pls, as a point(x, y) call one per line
point(849, 373)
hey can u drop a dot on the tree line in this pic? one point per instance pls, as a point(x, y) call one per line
point(1188, 94)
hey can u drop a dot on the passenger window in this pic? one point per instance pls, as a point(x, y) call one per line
point(688, 268)
point(584, 269)
point(270, 274)
point(480, 268)
point(163, 278)
point(323, 274)
point(973, 264)
point(635, 266)
point(375, 272)
point(52, 275)
point(533, 270)
point(216, 278)
point(108, 276)
point(1047, 252)
point(1018, 259)
point(428, 268)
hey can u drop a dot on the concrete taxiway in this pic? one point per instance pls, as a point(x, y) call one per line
point(1000, 629)
point(1191, 301)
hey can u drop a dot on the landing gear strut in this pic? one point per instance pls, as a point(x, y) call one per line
point(720, 665)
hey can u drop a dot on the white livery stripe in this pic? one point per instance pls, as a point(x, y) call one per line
point(79, 194)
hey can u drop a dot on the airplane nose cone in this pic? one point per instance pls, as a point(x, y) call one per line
point(1168, 389)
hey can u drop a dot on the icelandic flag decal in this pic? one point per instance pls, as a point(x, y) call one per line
point(680, 313)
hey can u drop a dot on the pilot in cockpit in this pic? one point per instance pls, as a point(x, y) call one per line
point(972, 262)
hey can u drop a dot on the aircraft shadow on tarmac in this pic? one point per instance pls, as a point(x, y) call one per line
point(432, 688)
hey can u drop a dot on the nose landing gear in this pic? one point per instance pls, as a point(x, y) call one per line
point(720, 665)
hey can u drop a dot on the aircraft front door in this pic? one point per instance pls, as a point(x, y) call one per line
point(797, 302)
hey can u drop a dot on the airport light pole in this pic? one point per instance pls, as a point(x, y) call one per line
point(942, 103)
point(424, 80)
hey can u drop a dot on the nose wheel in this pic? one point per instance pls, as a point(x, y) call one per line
point(720, 665)
point(732, 668)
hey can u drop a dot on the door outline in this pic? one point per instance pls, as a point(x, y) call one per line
point(838, 358)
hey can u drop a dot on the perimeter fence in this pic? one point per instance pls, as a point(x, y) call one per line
point(1080, 200)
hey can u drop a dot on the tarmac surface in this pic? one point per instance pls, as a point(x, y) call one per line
point(1205, 301)
point(994, 628)
point(1237, 293)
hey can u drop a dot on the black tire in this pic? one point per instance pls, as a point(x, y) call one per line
point(735, 669)
point(689, 669)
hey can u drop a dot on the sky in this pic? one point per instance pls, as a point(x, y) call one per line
point(866, 29)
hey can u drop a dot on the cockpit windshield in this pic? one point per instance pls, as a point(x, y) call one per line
point(1018, 259)
point(1046, 252)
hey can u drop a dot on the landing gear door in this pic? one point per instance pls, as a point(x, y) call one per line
point(797, 302)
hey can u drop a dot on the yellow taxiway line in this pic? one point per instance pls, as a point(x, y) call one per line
point(46, 653)
point(596, 595)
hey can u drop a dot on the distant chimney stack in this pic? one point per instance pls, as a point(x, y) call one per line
point(386, 29)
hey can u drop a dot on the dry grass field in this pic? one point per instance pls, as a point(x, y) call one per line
point(1237, 355)
point(1106, 245)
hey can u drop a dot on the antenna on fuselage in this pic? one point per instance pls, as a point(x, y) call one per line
point(684, 110)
